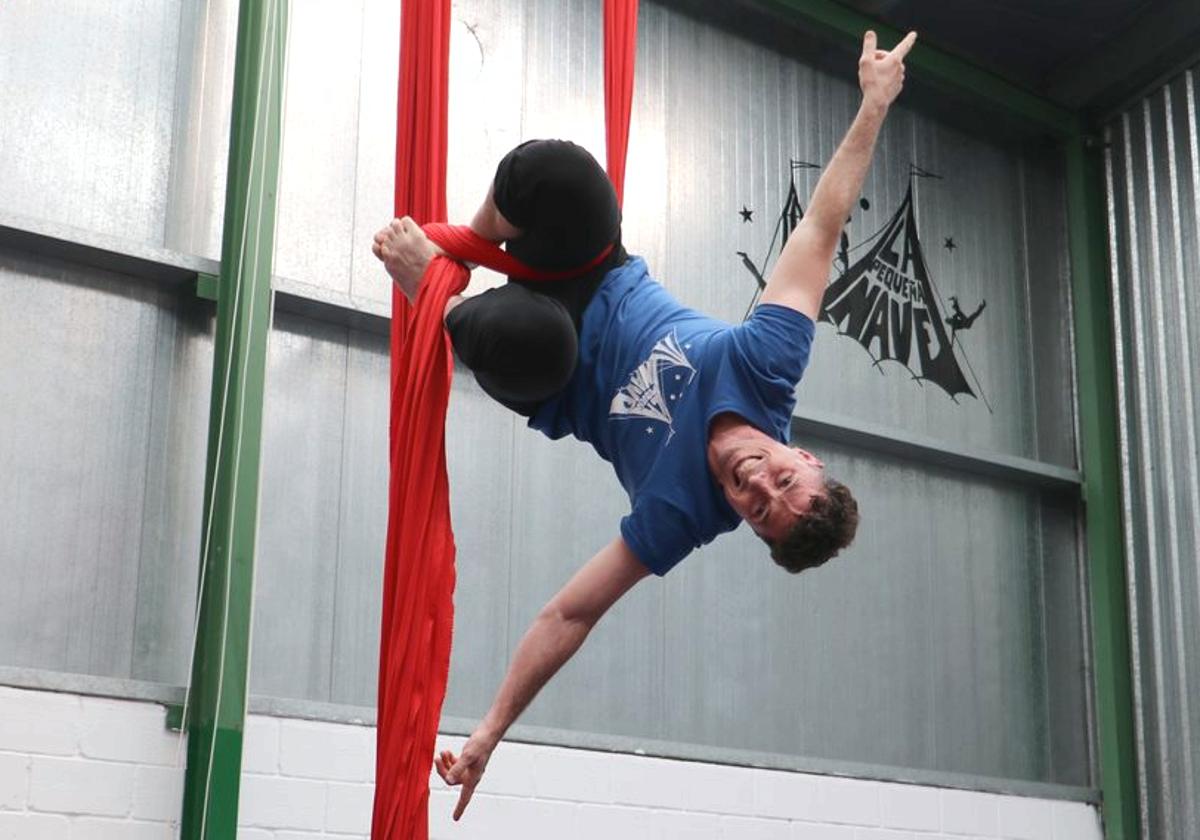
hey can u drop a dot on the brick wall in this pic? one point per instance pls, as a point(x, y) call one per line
point(86, 768)
point(83, 768)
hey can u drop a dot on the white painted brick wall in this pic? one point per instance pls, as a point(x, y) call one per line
point(81, 768)
point(86, 768)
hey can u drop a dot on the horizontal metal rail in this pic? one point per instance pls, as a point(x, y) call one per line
point(182, 271)
point(886, 440)
point(292, 296)
point(185, 271)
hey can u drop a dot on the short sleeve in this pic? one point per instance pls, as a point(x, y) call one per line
point(774, 345)
point(658, 534)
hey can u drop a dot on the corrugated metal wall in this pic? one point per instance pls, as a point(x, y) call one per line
point(949, 639)
point(104, 385)
point(1153, 170)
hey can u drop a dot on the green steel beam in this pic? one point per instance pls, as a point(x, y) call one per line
point(207, 286)
point(943, 69)
point(217, 698)
point(1099, 446)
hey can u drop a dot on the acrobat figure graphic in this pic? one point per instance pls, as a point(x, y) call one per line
point(753, 269)
point(693, 413)
point(959, 320)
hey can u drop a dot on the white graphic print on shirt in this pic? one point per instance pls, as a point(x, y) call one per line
point(655, 385)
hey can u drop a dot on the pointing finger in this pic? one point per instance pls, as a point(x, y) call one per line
point(902, 49)
point(464, 799)
point(868, 44)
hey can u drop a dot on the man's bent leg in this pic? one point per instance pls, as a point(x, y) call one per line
point(521, 346)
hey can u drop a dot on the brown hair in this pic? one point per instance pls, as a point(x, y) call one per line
point(825, 529)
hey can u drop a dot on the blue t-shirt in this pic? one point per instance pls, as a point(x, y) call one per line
point(652, 375)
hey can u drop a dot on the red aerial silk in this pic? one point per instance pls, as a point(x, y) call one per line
point(418, 578)
point(620, 50)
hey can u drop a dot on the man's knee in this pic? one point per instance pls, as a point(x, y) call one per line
point(561, 199)
point(522, 346)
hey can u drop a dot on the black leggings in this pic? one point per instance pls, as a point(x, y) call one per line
point(522, 346)
point(522, 340)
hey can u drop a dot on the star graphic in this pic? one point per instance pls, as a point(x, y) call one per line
point(950, 246)
point(678, 376)
point(747, 213)
point(649, 430)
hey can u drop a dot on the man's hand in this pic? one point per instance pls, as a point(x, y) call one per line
point(881, 73)
point(467, 769)
point(405, 250)
point(555, 635)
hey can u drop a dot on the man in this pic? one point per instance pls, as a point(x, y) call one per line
point(693, 413)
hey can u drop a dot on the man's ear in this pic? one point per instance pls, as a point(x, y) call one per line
point(809, 457)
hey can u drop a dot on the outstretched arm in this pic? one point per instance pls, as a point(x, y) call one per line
point(799, 278)
point(551, 640)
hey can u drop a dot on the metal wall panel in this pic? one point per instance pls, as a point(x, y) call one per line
point(716, 119)
point(104, 383)
point(324, 519)
point(951, 643)
point(950, 638)
point(927, 645)
point(965, 592)
point(203, 111)
point(88, 112)
point(1153, 171)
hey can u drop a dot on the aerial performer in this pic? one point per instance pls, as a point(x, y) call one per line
point(693, 413)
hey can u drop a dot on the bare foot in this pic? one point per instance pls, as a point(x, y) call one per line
point(405, 250)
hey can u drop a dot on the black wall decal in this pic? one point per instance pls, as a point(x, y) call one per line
point(886, 300)
point(961, 321)
point(886, 303)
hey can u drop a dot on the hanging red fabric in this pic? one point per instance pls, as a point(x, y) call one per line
point(620, 52)
point(418, 579)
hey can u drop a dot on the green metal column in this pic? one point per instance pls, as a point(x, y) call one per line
point(1099, 446)
point(217, 700)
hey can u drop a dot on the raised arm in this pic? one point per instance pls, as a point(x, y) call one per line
point(550, 641)
point(799, 278)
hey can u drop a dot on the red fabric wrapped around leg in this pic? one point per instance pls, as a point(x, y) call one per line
point(418, 580)
point(462, 243)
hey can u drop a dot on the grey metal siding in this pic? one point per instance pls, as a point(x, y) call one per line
point(88, 111)
point(104, 388)
point(1153, 171)
point(950, 638)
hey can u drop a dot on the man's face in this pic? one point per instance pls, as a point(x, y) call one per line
point(769, 485)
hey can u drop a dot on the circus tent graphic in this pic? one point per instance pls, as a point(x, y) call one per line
point(886, 302)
